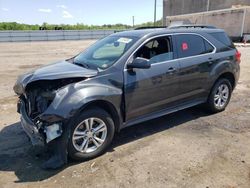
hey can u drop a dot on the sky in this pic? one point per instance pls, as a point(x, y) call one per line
point(91, 12)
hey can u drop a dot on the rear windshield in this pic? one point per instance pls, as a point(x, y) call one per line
point(223, 38)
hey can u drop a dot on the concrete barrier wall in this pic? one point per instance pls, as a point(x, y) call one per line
point(50, 35)
point(235, 21)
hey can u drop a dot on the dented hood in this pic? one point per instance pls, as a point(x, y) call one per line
point(58, 70)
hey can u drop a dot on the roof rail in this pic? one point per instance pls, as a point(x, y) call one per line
point(150, 27)
point(192, 26)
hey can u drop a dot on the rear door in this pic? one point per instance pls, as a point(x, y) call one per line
point(195, 54)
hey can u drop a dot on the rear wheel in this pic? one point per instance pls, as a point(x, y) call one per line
point(91, 134)
point(219, 96)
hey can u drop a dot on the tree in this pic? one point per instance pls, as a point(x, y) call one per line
point(78, 26)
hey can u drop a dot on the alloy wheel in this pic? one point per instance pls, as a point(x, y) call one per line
point(221, 96)
point(89, 135)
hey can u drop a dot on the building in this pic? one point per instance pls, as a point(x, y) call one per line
point(178, 7)
point(231, 15)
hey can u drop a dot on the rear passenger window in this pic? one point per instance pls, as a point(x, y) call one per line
point(191, 45)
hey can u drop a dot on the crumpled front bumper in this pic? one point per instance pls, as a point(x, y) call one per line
point(36, 138)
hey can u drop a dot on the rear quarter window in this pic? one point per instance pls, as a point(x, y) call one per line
point(224, 39)
point(209, 47)
point(192, 45)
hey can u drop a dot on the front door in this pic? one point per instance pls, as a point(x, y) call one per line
point(153, 89)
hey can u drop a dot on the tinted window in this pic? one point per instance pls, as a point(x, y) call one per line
point(191, 45)
point(209, 48)
point(157, 50)
point(223, 38)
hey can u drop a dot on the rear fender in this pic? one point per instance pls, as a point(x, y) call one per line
point(222, 66)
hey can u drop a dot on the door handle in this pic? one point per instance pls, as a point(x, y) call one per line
point(210, 60)
point(171, 70)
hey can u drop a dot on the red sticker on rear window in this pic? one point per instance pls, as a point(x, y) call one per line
point(184, 46)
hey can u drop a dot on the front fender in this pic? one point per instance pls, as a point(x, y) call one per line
point(70, 99)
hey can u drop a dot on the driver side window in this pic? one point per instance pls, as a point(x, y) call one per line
point(156, 50)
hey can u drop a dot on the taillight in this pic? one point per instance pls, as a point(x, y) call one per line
point(238, 56)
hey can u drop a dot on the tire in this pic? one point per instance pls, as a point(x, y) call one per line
point(217, 96)
point(80, 133)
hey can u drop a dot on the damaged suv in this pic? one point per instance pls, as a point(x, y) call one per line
point(129, 77)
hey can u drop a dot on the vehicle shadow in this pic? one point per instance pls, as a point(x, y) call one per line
point(157, 125)
point(18, 156)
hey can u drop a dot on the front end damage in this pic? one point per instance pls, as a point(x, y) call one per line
point(51, 97)
point(45, 130)
point(42, 122)
point(33, 103)
point(37, 90)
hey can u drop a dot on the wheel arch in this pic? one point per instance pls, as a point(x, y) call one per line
point(229, 76)
point(108, 107)
point(226, 75)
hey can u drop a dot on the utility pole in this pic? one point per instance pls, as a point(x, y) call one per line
point(208, 5)
point(155, 14)
point(133, 21)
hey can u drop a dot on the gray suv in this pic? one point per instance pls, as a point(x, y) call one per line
point(76, 106)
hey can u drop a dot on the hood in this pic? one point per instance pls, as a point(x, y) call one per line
point(58, 70)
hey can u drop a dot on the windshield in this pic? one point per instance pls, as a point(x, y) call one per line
point(104, 52)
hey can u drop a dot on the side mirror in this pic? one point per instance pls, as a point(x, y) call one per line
point(139, 63)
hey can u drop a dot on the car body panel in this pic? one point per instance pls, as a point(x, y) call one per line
point(140, 88)
point(58, 70)
point(194, 74)
point(70, 99)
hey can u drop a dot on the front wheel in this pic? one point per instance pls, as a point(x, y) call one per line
point(219, 96)
point(91, 134)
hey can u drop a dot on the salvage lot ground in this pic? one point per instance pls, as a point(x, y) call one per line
point(189, 148)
